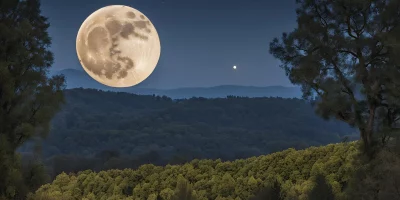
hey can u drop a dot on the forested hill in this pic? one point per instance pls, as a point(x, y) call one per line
point(213, 179)
point(94, 121)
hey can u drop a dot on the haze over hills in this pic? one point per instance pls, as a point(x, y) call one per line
point(79, 79)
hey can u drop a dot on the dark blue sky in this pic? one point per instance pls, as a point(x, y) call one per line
point(200, 39)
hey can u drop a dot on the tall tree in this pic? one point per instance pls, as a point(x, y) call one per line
point(28, 97)
point(345, 54)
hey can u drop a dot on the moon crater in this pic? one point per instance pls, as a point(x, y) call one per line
point(116, 51)
point(113, 26)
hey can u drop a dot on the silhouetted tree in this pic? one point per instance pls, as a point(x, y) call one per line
point(28, 97)
point(184, 190)
point(346, 55)
point(377, 179)
point(321, 190)
point(272, 192)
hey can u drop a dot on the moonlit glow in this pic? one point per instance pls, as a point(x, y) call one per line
point(234, 67)
point(118, 46)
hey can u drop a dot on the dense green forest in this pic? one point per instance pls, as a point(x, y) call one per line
point(214, 179)
point(94, 126)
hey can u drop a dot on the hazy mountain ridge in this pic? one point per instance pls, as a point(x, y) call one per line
point(78, 78)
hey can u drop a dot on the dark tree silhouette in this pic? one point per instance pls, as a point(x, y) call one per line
point(28, 98)
point(183, 190)
point(321, 190)
point(345, 54)
point(273, 192)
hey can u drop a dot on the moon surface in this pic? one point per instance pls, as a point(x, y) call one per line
point(118, 46)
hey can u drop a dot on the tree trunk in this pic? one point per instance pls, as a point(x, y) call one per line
point(366, 139)
point(367, 131)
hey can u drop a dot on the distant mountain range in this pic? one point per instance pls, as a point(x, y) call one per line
point(79, 79)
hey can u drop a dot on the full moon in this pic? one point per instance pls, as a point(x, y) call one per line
point(118, 46)
point(234, 67)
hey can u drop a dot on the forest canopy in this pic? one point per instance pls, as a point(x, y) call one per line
point(213, 179)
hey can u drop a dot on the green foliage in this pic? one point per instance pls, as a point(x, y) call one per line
point(34, 174)
point(10, 174)
point(345, 55)
point(213, 179)
point(28, 98)
point(379, 178)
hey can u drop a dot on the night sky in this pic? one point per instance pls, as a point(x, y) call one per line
point(201, 40)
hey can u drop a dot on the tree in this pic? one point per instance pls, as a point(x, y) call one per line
point(321, 190)
point(183, 190)
point(28, 97)
point(377, 179)
point(272, 192)
point(345, 55)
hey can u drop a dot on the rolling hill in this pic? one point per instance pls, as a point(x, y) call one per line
point(213, 179)
point(79, 79)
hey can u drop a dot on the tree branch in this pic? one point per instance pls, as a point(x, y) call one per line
point(349, 28)
point(320, 16)
point(347, 51)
